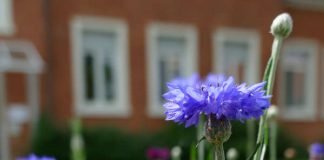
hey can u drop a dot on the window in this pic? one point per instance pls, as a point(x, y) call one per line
point(100, 66)
point(236, 53)
point(309, 4)
point(6, 18)
point(171, 52)
point(298, 80)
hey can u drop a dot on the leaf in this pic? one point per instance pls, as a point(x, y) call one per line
point(255, 150)
point(267, 72)
point(210, 154)
point(193, 152)
point(263, 118)
point(201, 139)
point(266, 132)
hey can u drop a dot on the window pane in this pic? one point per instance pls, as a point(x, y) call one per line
point(295, 89)
point(89, 76)
point(235, 55)
point(170, 50)
point(167, 74)
point(6, 21)
point(294, 76)
point(104, 45)
point(109, 80)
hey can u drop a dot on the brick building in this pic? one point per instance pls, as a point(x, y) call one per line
point(107, 60)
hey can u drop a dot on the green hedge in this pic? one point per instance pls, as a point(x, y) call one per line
point(107, 143)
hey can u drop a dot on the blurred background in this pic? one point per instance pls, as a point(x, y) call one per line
point(106, 63)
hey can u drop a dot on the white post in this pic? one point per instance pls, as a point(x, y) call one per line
point(33, 99)
point(4, 135)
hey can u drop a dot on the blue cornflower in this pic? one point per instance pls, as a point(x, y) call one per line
point(217, 95)
point(317, 150)
point(185, 100)
point(34, 157)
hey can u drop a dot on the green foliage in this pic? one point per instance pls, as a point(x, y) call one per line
point(285, 140)
point(193, 152)
point(50, 141)
point(107, 143)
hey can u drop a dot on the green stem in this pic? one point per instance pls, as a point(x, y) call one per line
point(270, 74)
point(200, 133)
point(77, 146)
point(277, 43)
point(273, 142)
point(219, 152)
point(250, 136)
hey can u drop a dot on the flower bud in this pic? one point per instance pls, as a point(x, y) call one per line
point(217, 131)
point(77, 142)
point(290, 153)
point(232, 154)
point(272, 112)
point(176, 152)
point(316, 151)
point(282, 25)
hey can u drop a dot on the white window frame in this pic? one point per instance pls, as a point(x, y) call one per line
point(121, 107)
point(308, 111)
point(6, 18)
point(154, 31)
point(251, 37)
point(315, 5)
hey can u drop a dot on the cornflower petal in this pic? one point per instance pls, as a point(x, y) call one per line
point(219, 95)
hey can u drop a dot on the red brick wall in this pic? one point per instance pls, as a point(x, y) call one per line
point(207, 16)
point(29, 25)
point(310, 25)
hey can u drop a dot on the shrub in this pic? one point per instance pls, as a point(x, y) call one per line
point(107, 143)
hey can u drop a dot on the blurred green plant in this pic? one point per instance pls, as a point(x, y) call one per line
point(77, 143)
point(49, 140)
point(107, 143)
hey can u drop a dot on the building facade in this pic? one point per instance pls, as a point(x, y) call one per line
point(107, 61)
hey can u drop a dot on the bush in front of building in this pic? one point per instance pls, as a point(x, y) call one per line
point(111, 143)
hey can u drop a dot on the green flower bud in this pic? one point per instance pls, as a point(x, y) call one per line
point(232, 154)
point(217, 131)
point(282, 25)
point(273, 112)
